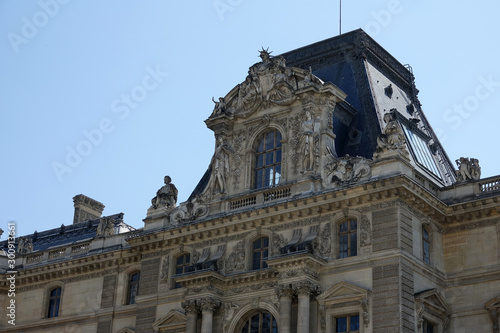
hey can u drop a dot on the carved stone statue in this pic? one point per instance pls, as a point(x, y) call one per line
point(24, 245)
point(220, 107)
point(468, 169)
point(220, 167)
point(106, 227)
point(166, 196)
point(393, 137)
point(310, 131)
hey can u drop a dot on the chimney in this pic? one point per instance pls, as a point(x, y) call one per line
point(86, 208)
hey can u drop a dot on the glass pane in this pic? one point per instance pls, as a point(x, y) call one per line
point(270, 141)
point(266, 242)
point(278, 139)
point(254, 324)
point(245, 328)
point(341, 324)
point(257, 244)
point(354, 225)
point(426, 234)
point(277, 176)
point(343, 227)
point(180, 260)
point(269, 158)
point(278, 156)
point(258, 179)
point(256, 260)
point(354, 243)
point(268, 177)
point(260, 146)
point(354, 323)
point(260, 161)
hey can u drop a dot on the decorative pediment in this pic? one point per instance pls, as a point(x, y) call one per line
point(432, 303)
point(173, 320)
point(267, 84)
point(343, 292)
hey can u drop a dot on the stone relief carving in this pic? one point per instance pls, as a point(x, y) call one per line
point(366, 231)
point(236, 260)
point(340, 171)
point(189, 211)
point(310, 142)
point(106, 227)
point(230, 309)
point(239, 138)
point(278, 241)
point(468, 169)
point(392, 137)
point(164, 270)
point(322, 245)
point(366, 315)
point(166, 196)
point(295, 125)
point(24, 245)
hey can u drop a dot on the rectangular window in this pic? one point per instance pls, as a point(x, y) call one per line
point(347, 324)
point(54, 301)
point(348, 239)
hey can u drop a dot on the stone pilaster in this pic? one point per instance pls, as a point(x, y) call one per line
point(192, 312)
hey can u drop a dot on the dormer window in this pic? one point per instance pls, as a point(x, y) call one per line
point(268, 160)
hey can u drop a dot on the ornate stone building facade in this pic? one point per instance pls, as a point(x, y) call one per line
point(329, 205)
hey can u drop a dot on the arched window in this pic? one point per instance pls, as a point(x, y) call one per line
point(54, 302)
point(348, 239)
point(268, 160)
point(182, 262)
point(260, 252)
point(262, 322)
point(133, 287)
point(426, 246)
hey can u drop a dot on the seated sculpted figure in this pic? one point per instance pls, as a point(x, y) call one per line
point(166, 196)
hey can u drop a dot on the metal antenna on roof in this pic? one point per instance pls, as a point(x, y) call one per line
point(340, 18)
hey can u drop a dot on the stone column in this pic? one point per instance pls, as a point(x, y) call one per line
point(192, 315)
point(208, 305)
point(303, 293)
point(285, 295)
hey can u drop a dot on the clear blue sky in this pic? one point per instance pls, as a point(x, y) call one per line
point(67, 66)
